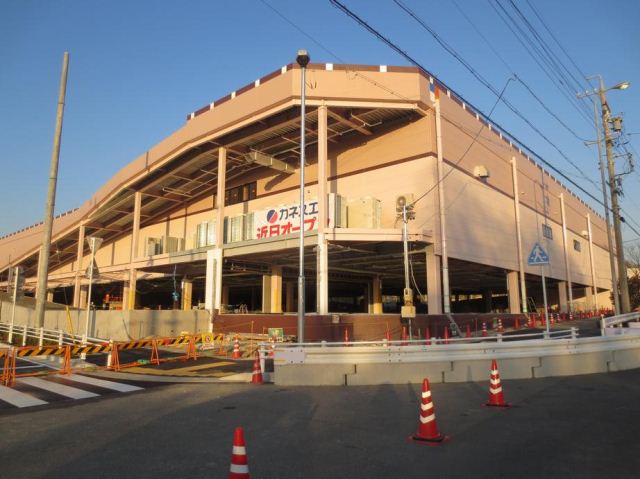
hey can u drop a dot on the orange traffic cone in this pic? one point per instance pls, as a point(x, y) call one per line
point(427, 336)
point(500, 327)
point(236, 349)
point(256, 377)
point(516, 324)
point(446, 335)
point(155, 357)
point(496, 397)
point(9, 369)
point(115, 359)
point(428, 428)
point(66, 363)
point(468, 333)
point(239, 465)
point(404, 336)
point(346, 335)
point(484, 328)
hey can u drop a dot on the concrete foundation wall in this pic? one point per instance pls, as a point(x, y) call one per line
point(116, 325)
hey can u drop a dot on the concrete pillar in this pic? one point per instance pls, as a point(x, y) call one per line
point(275, 290)
point(513, 288)
point(82, 296)
point(290, 305)
point(565, 242)
point(266, 293)
point(487, 299)
point(434, 281)
point(187, 292)
point(49, 296)
point(225, 294)
point(563, 304)
point(213, 280)
point(376, 295)
point(79, 271)
point(322, 254)
point(589, 298)
point(130, 300)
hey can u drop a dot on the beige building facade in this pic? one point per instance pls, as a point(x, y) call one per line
point(209, 217)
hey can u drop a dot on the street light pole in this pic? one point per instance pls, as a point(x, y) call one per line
point(303, 60)
point(625, 305)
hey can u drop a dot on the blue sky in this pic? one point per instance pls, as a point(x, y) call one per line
point(137, 68)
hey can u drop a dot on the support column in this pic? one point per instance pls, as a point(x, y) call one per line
point(266, 293)
point(322, 254)
point(290, 305)
point(516, 204)
point(434, 283)
point(78, 279)
point(130, 299)
point(213, 278)
point(514, 292)
point(566, 252)
point(444, 288)
point(82, 300)
point(562, 297)
point(218, 252)
point(275, 290)
point(376, 295)
point(592, 260)
point(225, 295)
point(187, 293)
point(589, 298)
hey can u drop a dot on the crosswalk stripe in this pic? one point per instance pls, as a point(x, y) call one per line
point(19, 399)
point(125, 388)
point(68, 391)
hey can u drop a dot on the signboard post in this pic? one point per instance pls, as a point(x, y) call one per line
point(539, 257)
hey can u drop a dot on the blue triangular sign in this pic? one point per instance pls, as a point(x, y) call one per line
point(538, 256)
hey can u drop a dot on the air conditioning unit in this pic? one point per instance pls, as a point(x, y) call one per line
point(152, 246)
point(249, 232)
point(170, 244)
point(364, 213)
point(337, 211)
point(233, 228)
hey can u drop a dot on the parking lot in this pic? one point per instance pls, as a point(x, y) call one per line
point(583, 426)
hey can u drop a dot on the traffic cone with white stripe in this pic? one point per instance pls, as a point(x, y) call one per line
point(256, 377)
point(239, 464)
point(427, 428)
point(496, 396)
point(484, 328)
point(236, 349)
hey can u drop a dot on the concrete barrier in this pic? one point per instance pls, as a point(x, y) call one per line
point(371, 364)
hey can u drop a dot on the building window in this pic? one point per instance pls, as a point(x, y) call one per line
point(547, 232)
point(240, 193)
point(576, 245)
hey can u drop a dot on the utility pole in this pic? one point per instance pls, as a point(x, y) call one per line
point(43, 260)
point(625, 305)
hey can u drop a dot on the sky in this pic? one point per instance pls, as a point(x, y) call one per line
point(138, 68)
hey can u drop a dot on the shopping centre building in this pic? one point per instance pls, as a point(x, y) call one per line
point(209, 217)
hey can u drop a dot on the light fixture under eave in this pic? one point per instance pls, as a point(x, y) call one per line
point(268, 161)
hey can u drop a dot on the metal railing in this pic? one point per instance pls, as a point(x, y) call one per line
point(571, 333)
point(617, 320)
point(56, 336)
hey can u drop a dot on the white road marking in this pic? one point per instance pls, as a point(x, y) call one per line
point(19, 399)
point(68, 391)
point(125, 388)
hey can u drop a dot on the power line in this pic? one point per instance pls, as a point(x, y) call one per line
point(397, 49)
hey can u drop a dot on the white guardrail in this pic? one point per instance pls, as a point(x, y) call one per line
point(50, 335)
point(618, 320)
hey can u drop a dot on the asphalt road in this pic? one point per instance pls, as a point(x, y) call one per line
point(584, 426)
